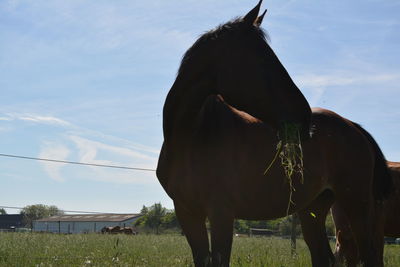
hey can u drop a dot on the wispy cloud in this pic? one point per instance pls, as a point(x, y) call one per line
point(80, 144)
point(5, 119)
point(96, 152)
point(343, 79)
point(107, 26)
point(54, 151)
point(34, 118)
point(318, 84)
point(44, 119)
point(89, 150)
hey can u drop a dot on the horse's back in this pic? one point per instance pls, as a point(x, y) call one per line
point(355, 145)
point(344, 146)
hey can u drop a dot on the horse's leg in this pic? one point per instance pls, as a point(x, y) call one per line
point(194, 228)
point(346, 247)
point(221, 237)
point(312, 220)
point(366, 221)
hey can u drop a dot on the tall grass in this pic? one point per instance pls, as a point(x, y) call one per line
point(30, 249)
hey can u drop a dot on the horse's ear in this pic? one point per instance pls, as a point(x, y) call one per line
point(251, 17)
point(259, 20)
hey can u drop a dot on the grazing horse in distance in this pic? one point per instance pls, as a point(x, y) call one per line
point(118, 230)
point(346, 247)
point(222, 120)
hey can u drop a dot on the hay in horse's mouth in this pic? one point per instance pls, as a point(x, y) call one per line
point(290, 152)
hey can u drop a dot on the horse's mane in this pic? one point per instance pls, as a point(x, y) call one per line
point(196, 56)
point(214, 34)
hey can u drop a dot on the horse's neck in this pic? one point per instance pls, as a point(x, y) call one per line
point(182, 105)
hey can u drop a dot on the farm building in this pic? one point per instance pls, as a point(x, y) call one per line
point(83, 223)
point(11, 221)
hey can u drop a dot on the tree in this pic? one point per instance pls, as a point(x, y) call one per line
point(243, 226)
point(157, 217)
point(3, 211)
point(144, 210)
point(38, 211)
point(285, 227)
point(154, 217)
point(170, 221)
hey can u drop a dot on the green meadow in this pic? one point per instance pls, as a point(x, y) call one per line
point(31, 249)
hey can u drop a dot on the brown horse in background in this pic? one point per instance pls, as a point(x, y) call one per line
point(214, 156)
point(346, 247)
point(118, 230)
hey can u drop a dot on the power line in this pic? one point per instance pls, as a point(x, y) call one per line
point(74, 211)
point(78, 163)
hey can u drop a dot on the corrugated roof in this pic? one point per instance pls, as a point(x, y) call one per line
point(90, 218)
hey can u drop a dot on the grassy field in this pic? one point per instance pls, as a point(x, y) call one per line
point(27, 249)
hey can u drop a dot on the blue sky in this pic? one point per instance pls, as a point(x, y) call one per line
point(86, 80)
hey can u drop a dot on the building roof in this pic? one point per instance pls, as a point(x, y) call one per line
point(90, 218)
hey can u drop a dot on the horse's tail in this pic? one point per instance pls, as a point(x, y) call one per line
point(383, 181)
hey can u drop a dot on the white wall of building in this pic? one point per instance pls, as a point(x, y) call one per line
point(77, 227)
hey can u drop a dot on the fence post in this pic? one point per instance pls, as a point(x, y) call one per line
point(293, 234)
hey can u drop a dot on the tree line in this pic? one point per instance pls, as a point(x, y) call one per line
point(158, 220)
point(31, 213)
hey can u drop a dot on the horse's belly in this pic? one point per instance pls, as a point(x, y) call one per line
point(272, 197)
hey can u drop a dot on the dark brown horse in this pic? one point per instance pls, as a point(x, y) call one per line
point(346, 247)
point(118, 230)
point(235, 61)
point(214, 156)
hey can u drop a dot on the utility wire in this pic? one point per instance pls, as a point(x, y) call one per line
point(78, 163)
point(75, 211)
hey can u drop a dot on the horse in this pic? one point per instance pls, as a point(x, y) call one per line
point(346, 248)
point(222, 120)
point(118, 230)
point(111, 229)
